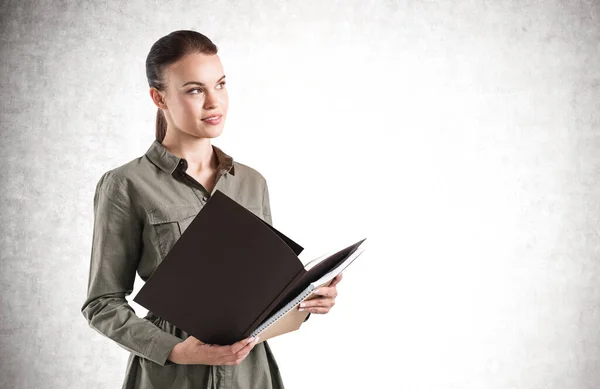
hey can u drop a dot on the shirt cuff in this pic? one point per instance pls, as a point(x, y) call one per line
point(161, 346)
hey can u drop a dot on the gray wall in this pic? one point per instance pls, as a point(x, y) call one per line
point(462, 137)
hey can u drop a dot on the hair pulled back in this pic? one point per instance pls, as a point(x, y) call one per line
point(167, 50)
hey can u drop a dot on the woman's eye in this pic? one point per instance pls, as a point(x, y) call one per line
point(221, 84)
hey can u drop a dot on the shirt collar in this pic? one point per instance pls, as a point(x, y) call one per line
point(168, 162)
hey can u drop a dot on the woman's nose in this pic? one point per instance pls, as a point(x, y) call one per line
point(211, 100)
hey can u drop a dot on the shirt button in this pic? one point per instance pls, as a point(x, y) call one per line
point(204, 198)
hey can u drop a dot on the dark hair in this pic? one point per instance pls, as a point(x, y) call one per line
point(167, 50)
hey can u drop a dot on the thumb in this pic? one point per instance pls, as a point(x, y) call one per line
point(336, 280)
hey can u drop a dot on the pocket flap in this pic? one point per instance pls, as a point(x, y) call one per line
point(171, 213)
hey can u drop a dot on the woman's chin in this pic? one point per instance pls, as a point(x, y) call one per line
point(207, 132)
point(213, 132)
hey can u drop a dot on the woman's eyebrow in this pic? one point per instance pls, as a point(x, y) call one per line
point(201, 83)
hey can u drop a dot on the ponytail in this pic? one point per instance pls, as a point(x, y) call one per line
point(161, 125)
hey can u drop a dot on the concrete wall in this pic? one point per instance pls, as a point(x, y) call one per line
point(461, 137)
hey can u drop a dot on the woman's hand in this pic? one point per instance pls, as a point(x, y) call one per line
point(193, 351)
point(326, 301)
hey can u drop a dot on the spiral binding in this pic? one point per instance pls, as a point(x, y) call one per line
point(283, 310)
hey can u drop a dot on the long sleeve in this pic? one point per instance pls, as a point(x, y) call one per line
point(267, 212)
point(115, 251)
point(266, 204)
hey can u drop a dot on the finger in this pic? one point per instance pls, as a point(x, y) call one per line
point(242, 353)
point(322, 302)
point(241, 344)
point(326, 291)
point(236, 362)
point(222, 353)
point(337, 279)
point(318, 310)
point(246, 349)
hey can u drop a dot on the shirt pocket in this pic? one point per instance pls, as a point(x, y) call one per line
point(168, 223)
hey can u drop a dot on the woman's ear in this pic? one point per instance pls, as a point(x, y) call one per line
point(158, 98)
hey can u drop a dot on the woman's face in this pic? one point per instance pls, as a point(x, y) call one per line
point(196, 90)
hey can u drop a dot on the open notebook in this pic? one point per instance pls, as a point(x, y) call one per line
point(231, 274)
point(288, 318)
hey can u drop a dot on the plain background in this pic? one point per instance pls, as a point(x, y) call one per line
point(461, 137)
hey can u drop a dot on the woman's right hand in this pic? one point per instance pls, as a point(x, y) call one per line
point(193, 351)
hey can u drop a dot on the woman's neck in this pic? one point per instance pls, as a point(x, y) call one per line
point(197, 152)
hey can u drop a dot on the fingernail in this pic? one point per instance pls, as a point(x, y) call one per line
point(256, 340)
point(302, 305)
point(301, 309)
point(250, 340)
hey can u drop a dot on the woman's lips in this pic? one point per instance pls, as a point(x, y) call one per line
point(214, 120)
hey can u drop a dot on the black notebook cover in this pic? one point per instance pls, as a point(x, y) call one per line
point(226, 273)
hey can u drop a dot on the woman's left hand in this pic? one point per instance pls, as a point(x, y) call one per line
point(325, 300)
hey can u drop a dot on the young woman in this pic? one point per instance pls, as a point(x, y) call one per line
point(142, 207)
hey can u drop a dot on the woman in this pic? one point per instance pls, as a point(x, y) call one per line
point(142, 207)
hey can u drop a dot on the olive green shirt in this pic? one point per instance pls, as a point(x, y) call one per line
point(141, 208)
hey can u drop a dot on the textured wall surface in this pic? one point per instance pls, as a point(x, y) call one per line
point(461, 137)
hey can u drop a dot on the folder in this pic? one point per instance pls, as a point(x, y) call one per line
point(231, 275)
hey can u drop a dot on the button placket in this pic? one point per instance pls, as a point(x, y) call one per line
point(199, 194)
point(194, 185)
point(198, 188)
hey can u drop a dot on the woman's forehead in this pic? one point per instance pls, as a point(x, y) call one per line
point(199, 67)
